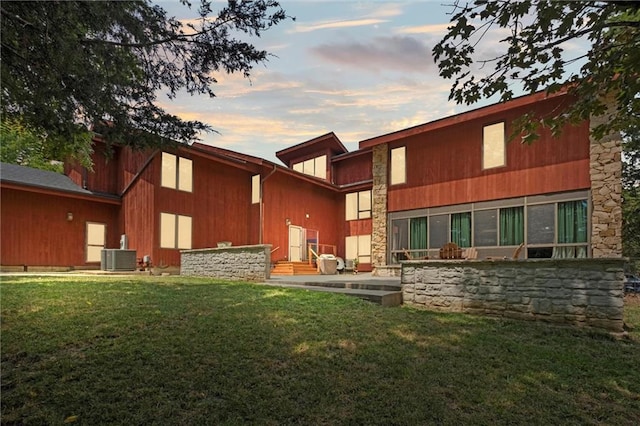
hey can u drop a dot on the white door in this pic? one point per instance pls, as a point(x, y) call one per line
point(295, 243)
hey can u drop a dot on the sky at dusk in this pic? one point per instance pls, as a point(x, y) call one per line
point(358, 68)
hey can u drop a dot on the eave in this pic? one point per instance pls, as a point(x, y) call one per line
point(94, 197)
point(460, 118)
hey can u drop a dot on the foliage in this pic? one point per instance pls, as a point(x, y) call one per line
point(631, 194)
point(534, 55)
point(24, 146)
point(70, 65)
point(175, 351)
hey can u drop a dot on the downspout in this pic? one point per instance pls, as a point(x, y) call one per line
point(262, 204)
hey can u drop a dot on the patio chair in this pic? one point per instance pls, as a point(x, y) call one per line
point(470, 254)
point(450, 251)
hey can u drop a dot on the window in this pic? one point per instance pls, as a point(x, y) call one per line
point(175, 231)
point(358, 247)
point(493, 146)
point(485, 228)
point(358, 205)
point(512, 226)
point(255, 189)
point(572, 228)
point(398, 166)
point(541, 224)
point(399, 239)
point(438, 230)
point(96, 236)
point(553, 225)
point(313, 167)
point(461, 229)
point(418, 237)
point(177, 172)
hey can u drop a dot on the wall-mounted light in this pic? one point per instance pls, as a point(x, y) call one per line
point(69, 217)
point(287, 221)
point(307, 215)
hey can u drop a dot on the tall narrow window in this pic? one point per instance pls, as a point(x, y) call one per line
point(540, 224)
point(398, 166)
point(351, 206)
point(511, 226)
point(255, 189)
point(320, 167)
point(485, 228)
point(96, 236)
point(400, 236)
point(461, 229)
point(418, 237)
point(438, 230)
point(185, 173)
point(493, 146)
point(364, 204)
point(572, 228)
point(169, 178)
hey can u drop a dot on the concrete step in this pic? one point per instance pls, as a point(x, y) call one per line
point(383, 292)
point(354, 285)
point(294, 268)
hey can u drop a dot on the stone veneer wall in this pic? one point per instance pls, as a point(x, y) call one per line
point(606, 193)
point(240, 263)
point(585, 292)
point(379, 209)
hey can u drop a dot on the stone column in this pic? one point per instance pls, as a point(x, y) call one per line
point(379, 206)
point(606, 192)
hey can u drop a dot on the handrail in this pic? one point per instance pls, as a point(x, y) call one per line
point(310, 253)
point(273, 250)
point(321, 250)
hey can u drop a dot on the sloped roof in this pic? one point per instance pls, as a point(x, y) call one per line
point(42, 179)
point(327, 141)
point(451, 120)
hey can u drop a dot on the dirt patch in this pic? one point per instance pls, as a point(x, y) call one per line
point(632, 300)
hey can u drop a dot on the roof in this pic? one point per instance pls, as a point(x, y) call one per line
point(321, 143)
point(42, 179)
point(461, 118)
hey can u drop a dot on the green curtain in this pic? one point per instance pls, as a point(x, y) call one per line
point(572, 222)
point(572, 228)
point(418, 236)
point(461, 229)
point(512, 226)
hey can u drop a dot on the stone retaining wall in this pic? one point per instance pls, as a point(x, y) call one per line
point(585, 292)
point(240, 263)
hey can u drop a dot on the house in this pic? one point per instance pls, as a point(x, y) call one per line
point(400, 195)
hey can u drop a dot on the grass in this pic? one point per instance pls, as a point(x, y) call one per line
point(182, 351)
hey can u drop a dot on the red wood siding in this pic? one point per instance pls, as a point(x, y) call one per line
point(444, 166)
point(104, 177)
point(35, 230)
point(219, 206)
point(286, 197)
point(540, 180)
point(353, 169)
point(138, 214)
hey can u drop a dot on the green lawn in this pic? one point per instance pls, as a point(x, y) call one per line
point(182, 351)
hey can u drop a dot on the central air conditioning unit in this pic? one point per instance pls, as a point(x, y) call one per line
point(118, 260)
